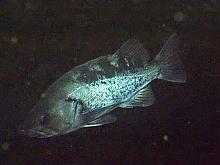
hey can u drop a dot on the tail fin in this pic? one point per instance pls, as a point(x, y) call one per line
point(171, 67)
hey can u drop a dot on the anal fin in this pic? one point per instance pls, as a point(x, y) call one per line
point(143, 98)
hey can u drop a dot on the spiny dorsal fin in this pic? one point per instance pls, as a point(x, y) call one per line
point(143, 98)
point(132, 53)
point(128, 58)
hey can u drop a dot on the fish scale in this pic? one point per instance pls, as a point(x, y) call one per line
point(106, 92)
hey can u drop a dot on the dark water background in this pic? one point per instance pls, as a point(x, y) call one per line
point(41, 40)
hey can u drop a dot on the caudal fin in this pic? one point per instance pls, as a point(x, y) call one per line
point(171, 67)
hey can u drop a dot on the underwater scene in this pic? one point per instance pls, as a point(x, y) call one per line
point(110, 82)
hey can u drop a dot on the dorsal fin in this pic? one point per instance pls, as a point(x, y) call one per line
point(130, 57)
point(132, 53)
point(143, 98)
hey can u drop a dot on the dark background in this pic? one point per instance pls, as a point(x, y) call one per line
point(41, 40)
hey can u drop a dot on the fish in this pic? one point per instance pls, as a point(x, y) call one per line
point(86, 95)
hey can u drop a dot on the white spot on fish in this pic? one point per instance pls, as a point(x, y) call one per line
point(43, 95)
point(95, 68)
point(127, 63)
point(113, 59)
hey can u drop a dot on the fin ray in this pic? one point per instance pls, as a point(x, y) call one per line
point(171, 66)
point(143, 98)
point(128, 58)
point(132, 53)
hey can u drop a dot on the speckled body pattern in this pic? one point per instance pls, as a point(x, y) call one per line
point(106, 92)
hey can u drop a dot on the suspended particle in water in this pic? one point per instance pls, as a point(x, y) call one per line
point(14, 40)
point(178, 16)
point(5, 146)
point(165, 137)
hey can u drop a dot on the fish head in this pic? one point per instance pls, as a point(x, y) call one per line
point(52, 116)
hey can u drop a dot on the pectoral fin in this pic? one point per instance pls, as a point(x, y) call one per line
point(143, 98)
point(107, 119)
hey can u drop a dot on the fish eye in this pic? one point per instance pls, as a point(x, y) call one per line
point(44, 119)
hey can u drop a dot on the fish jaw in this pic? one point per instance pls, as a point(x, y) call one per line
point(49, 119)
